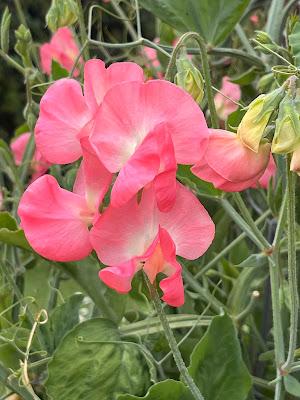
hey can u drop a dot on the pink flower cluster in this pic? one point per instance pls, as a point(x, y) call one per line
point(130, 135)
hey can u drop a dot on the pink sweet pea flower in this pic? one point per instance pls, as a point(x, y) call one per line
point(229, 165)
point(66, 114)
point(225, 106)
point(62, 48)
point(269, 173)
point(138, 236)
point(142, 130)
point(55, 221)
point(254, 19)
point(39, 164)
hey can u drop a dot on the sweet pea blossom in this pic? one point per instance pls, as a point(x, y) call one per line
point(61, 48)
point(229, 164)
point(142, 130)
point(55, 221)
point(138, 236)
point(225, 106)
point(39, 164)
point(269, 173)
point(66, 114)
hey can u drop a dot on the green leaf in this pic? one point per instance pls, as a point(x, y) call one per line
point(216, 363)
point(4, 30)
point(92, 363)
point(292, 385)
point(21, 129)
point(214, 20)
point(165, 390)
point(10, 233)
point(62, 320)
point(185, 175)
point(294, 42)
point(245, 78)
point(255, 260)
point(234, 120)
point(57, 71)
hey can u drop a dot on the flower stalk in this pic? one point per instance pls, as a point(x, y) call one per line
point(186, 377)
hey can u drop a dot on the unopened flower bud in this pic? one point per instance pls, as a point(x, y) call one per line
point(263, 37)
point(255, 121)
point(287, 132)
point(62, 13)
point(23, 44)
point(189, 78)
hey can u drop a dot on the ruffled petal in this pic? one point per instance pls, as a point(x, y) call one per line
point(131, 110)
point(269, 173)
point(206, 173)
point(227, 155)
point(122, 233)
point(98, 80)
point(63, 114)
point(153, 160)
point(55, 221)
point(93, 179)
point(18, 146)
point(189, 225)
point(119, 278)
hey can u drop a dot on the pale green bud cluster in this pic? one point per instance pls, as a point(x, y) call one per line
point(189, 78)
point(62, 13)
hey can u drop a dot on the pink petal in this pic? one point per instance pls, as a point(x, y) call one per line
point(93, 179)
point(154, 158)
point(18, 146)
point(269, 173)
point(98, 80)
point(119, 278)
point(131, 110)
point(206, 173)
point(55, 221)
point(189, 225)
point(63, 114)
point(225, 106)
point(123, 233)
point(228, 157)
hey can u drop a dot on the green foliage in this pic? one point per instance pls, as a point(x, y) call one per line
point(10, 233)
point(214, 20)
point(92, 362)
point(294, 42)
point(292, 385)
point(216, 363)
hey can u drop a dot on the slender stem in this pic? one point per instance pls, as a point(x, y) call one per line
point(248, 218)
point(292, 265)
point(243, 224)
point(274, 19)
point(245, 41)
point(7, 379)
point(83, 32)
point(124, 18)
point(12, 62)
point(277, 323)
point(186, 377)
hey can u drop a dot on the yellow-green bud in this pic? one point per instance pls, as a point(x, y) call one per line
point(263, 37)
point(62, 13)
point(287, 131)
point(189, 78)
point(255, 121)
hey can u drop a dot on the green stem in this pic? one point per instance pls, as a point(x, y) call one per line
point(12, 62)
point(83, 32)
point(7, 379)
point(186, 377)
point(243, 225)
point(244, 40)
point(205, 67)
point(274, 19)
point(125, 19)
point(248, 218)
point(292, 265)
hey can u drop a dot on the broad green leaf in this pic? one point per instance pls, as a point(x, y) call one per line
point(165, 390)
point(10, 233)
point(292, 385)
point(217, 365)
point(92, 363)
point(62, 320)
point(185, 175)
point(294, 42)
point(57, 71)
point(234, 120)
point(213, 19)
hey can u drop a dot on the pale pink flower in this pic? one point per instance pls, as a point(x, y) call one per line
point(230, 165)
point(66, 114)
point(138, 236)
point(55, 221)
point(142, 130)
point(39, 164)
point(254, 19)
point(225, 106)
point(62, 48)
